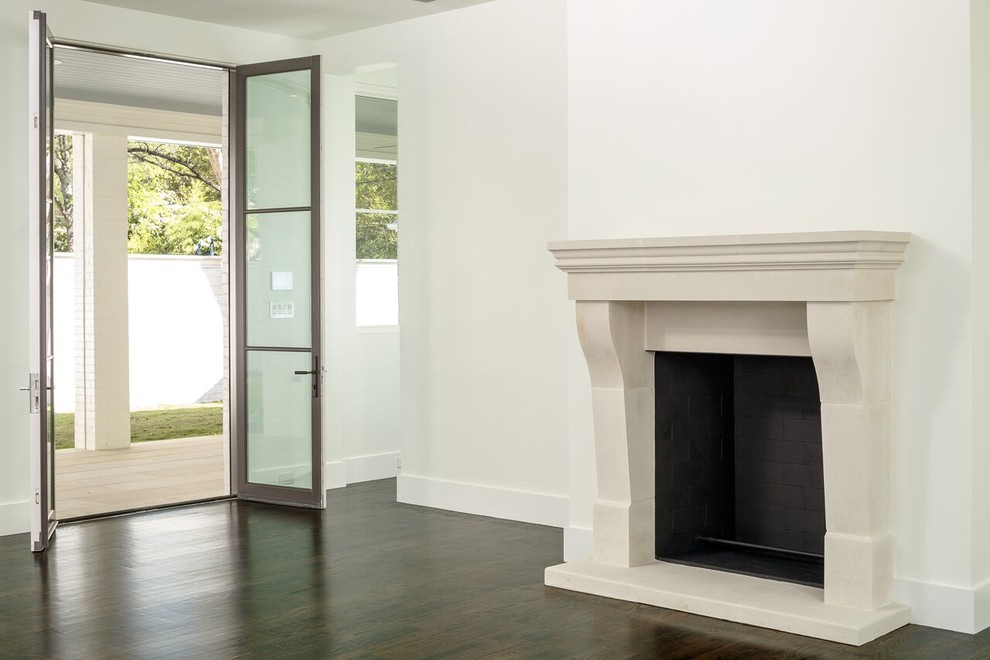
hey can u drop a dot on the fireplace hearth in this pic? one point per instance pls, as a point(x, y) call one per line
point(822, 297)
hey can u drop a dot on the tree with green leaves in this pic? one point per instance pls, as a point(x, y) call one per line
point(62, 193)
point(376, 186)
point(173, 198)
point(173, 195)
point(174, 202)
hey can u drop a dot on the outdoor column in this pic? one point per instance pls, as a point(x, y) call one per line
point(103, 407)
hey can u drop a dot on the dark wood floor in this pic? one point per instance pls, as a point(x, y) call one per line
point(366, 578)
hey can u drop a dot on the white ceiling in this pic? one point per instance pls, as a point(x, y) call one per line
point(308, 19)
point(86, 75)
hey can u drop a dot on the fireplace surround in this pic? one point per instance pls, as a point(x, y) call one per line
point(826, 295)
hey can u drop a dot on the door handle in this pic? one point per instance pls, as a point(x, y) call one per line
point(314, 372)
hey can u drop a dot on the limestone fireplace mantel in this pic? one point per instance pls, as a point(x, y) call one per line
point(823, 294)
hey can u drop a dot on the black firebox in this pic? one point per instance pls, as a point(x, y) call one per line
point(739, 483)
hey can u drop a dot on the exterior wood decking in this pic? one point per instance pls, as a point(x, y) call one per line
point(146, 474)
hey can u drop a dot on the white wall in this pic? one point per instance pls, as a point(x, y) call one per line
point(980, 76)
point(176, 330)
point(482, 312)
point(83, 21)
point(175, 311)
point(361, 381)
point(717, 116)
point(377, 292)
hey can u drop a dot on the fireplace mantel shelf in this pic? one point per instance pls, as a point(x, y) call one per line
point(813, 266)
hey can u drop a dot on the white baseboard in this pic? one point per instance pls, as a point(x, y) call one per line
point(372, 467)
point(15, 518)
point(507, 503)
point(982, 614)
point(334, 474)
point(960, 609)
point(577, 543)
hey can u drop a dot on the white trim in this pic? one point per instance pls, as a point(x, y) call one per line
point(376, 91)
point(15, 518)
point(981, 614)
point(155, 125)
point(377, 329)
point(578, 543)
point(372, 467)
point(377, 160)
point(510, 504)
point(375, 148)
point(334, 474)
point(962, 609)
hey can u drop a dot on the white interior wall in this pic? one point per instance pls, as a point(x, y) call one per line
point(720, 117)
point(71, 19)
point(365, 361)
point(371, 443)
point(980, 76)
point(481, 310)
point(361, 381)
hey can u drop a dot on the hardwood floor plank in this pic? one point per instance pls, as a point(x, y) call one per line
point(367, 578)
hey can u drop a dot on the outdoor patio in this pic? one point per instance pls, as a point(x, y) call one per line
point(142, 475)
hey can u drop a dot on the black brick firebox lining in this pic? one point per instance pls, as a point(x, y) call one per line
point(739, 458)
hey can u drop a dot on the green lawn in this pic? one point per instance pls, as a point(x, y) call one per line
point(205, 419)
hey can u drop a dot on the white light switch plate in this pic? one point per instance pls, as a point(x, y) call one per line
point(282, 280)
point(281, 309)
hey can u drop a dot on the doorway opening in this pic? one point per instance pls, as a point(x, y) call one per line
point(140, 283)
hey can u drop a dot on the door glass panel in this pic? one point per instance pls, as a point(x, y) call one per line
point(279, 286)
point(277, 140)
point(280, 418)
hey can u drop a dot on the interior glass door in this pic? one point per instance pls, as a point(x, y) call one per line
point(276, 256)
point(41, 360)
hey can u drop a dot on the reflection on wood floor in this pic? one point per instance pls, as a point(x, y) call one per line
point(142, 475)
point(366, 578)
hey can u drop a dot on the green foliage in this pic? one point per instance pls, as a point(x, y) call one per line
point(376, 186)
point(375, 239)
point(147, 425)
point(62, 193)
point(377, 189)
point(173, 199)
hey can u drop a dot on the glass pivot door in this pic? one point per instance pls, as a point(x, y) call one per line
point(40, 250)
point(275, 257)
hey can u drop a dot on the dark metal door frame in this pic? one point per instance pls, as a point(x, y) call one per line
point(238, 257)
